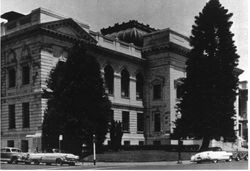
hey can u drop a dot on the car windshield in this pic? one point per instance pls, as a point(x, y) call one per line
point(214, 149)
point(16, 150)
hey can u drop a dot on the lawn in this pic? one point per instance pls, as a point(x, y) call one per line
point(139, 156)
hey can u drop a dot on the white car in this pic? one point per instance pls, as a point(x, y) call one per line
point(53, 157)
point(213, 154)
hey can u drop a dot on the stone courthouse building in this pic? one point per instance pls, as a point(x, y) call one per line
point(141, 67)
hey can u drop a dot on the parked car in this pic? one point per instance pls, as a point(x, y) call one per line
point(13, 155)
point(53, 157)
point(213, 154)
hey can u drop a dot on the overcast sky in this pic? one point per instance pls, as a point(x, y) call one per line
point(175, 14)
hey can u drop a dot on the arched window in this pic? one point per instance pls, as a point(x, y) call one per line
point(109, 79)
point(124, 83)
point(178, 84)
point(139, 86)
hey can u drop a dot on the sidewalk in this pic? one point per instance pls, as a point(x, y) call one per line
point(129, 163)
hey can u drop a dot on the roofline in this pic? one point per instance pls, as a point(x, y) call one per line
point(57, 15)
point(167, 29)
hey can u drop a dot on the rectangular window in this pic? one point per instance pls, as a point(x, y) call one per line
point(179, 91)
point(12, 77)
point(12, 117)
point(125, 121)
point(26, 115)
point(140, 122)
point(111, 116)
point(141, 143)
point(10, 143)
point(26, 75)
point(126, 143)
point(157, 91)
point(157, 123)
point(240, 130)
point(24, 145)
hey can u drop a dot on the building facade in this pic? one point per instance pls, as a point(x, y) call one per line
point(141, 67)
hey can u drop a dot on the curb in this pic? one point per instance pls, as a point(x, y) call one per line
point(137, 163)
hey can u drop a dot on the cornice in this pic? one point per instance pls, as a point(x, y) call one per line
point(128, 107)
point(117, 55)
point(166, 47)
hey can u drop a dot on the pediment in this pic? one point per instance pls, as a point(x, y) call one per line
point(70, 28)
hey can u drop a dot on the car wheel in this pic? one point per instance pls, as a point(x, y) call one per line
point(229, 160)
point(72, 164)
point(59, 161)
point(27, 163)
point(36, 162)
point(246, 157)
point(215, 161)
point(14, 161)
point(237, 158)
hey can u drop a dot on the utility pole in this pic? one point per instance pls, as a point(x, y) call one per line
point(94, 149)
point(60, 139)
point(179, 151)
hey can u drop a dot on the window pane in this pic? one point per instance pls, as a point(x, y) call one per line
point(26, 75)
point(26, 115)
point(140, 122)
point(12, 117)
point(139, 86)
point(125, 83)
point(12, 77)
point(125, 121)
point(10, 143)
point(157, 124)
point(157, 91)
point(109, 79)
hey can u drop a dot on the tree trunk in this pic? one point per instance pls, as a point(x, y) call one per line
point(205, 143)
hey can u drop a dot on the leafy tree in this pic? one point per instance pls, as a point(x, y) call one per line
point(116, 134)
point(207, 104)
point(77, 105)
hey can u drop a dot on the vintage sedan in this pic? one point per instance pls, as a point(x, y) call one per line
point(12, 155)
point(213, 154)
point(53, 157)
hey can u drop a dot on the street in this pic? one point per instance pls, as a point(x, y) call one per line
point(186, 165)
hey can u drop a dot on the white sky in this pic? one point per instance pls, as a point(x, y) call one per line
point(176, 14)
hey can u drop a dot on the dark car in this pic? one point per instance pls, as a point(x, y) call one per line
point(12, 155)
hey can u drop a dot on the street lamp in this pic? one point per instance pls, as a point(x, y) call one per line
point(60, 139)
point(94, 152)
point(179, 151)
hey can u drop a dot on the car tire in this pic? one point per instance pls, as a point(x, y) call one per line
point(14, 160)
point(215, 161)
point(59, 161)
point(72, 164)
point(229, 160)
point(246, 157)
point(237, 158)
point(36, 162)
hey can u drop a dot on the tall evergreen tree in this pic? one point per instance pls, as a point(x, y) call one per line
point(77, 106)
point(207, 104)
